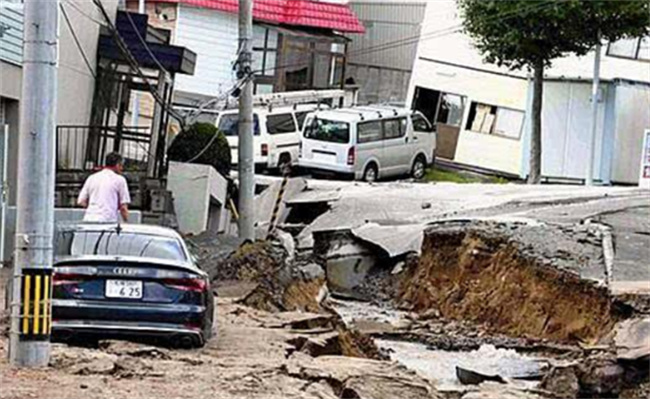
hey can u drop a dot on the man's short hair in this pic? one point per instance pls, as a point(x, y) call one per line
point(113, 159)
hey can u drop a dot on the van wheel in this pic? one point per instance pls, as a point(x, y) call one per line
point(284, 164)
point(419, 167)
point(370, 174)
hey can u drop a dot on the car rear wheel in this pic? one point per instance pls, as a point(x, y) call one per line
point(419, 167)
point(370, 174)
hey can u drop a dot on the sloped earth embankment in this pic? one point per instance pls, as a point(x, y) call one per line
point(482, 278)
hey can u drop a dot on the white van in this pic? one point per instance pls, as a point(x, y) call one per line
point(368, 143)
point(276, 133)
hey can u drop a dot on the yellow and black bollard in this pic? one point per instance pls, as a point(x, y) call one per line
point(36, 305)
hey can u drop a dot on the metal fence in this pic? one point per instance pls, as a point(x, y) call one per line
point(83, 148)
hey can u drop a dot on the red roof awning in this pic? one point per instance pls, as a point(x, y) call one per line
point(308, 13)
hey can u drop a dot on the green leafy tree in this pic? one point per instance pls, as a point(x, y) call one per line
point(530, 34)
point(203, 144)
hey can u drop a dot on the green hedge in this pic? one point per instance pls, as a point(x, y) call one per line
point(189, 143)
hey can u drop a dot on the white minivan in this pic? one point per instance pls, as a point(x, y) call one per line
point(276, 133)
point(368, 143)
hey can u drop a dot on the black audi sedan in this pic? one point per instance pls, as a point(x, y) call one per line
point(135, 281)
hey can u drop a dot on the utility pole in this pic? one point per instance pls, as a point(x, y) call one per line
point(135, 108)
point(246, 162)
point(31, 285)
point(589, 180)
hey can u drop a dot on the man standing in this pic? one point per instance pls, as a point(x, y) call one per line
point(105, 194)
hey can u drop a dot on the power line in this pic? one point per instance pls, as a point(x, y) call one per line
point(122, 47)
point(133, 63)
point(425, 36)
point(144, 43)
point(76, 40)
point(82, 12)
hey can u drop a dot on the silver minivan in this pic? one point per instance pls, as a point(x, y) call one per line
point(368, 143)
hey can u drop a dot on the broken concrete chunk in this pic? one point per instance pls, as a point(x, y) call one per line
point(562, 382)
point(632, 339)
point(471, 377)
point(399, 267)
point(288, 243)
point(600, 377)
point(395, 239)
point(311, 271)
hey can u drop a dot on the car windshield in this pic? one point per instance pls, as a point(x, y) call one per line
point(326, 130)
point(229, 125)
point(109, 242)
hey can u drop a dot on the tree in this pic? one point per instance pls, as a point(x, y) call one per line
point(203, 144)
point(530, 34)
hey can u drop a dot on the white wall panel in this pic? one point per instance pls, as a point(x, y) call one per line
point(212, 35)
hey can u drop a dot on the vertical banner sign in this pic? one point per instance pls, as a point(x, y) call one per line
point(36, 312)
point(644, 178)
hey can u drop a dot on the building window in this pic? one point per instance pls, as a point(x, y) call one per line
point(450, 109)
point(499, 121)
point(439, 107)
point(630, 48)
point(265, 50)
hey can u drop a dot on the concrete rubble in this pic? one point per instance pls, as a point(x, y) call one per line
point(386, 290)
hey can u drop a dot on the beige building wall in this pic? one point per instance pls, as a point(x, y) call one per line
point(75, 82)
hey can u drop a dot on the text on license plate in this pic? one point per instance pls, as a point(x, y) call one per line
point(131, 289)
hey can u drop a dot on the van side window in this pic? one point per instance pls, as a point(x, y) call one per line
point(280, 124)
point(394, 128)
point(420, 124)
point(300, 118)
point(369, 131)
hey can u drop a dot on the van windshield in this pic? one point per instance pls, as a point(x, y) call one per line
point(229, 125)
point(326, 130)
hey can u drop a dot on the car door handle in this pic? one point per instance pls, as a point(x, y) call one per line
point(415, 139)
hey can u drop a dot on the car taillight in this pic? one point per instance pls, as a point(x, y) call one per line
point(351, 156)
point(186, 284)
point(265, 150)
point(59, 279)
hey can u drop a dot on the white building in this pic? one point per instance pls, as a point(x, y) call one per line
point(483, 112)
point(297, 45)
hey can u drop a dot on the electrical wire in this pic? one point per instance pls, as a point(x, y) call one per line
point(133, 63)
point(76, 40)
point(144, 43)
point(214, 138)
point(407, 41)
point(84, 13)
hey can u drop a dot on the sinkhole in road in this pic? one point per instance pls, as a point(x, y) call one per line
point(485, 279)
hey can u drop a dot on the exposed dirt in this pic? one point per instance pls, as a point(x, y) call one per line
point(255, 354)
point(484, 279)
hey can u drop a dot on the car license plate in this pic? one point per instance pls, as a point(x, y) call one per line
point(130, 289)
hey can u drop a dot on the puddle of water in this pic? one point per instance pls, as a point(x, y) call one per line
point(440, 366)
point(355, 310)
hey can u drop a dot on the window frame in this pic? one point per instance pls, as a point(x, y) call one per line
point(496, 108)
point(402, 125)
point(276, 133)
point(637, 50)
point(463, 105)
point(430, 128)
point(381, 131)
